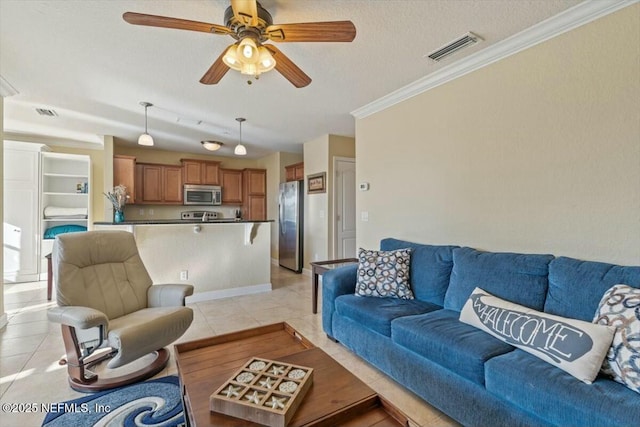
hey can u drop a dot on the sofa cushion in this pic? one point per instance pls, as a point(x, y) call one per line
point(377, 313)
point(519, 278)
point(384, 274)
point(440, 337)
point(540, 388)
point(620, 307)
point(576, 287)
point(574, 346)
point(430, 268)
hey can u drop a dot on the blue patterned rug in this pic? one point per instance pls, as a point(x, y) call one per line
point(151, 403)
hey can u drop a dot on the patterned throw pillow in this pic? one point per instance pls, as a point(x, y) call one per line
point(620, 307)
point(575, 346)
point(384, 274)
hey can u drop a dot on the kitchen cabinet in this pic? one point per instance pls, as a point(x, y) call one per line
point(124, 171)
point(254, 194)
point(231, 181)
point(294, 172)
point(203, 172)
point(158, 184)
point(172, 184)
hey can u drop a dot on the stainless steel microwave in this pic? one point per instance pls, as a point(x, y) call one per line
point(203, 195)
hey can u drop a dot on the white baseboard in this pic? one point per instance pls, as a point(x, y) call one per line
point(3, 320)
point(306, 272)
point(274, 261)
point(227, 293)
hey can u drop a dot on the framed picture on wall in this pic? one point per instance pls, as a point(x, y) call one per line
point(317, 183)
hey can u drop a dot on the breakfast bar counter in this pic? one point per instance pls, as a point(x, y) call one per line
point(220, 258)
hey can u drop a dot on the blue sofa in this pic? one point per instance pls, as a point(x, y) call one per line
point(466, 373)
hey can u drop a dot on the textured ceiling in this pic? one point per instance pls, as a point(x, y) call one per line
point(82, 60)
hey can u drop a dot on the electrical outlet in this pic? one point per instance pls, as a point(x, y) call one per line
point(184, 275)
point(141, 212)
point(364, 216)
point(151, 212)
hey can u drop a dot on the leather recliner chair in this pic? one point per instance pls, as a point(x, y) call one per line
point(102, 283)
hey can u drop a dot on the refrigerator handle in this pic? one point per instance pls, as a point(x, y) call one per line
point(281, 214)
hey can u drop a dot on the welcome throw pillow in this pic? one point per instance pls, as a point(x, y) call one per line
point(384, 274)
point(575, 346)
point(620, 307)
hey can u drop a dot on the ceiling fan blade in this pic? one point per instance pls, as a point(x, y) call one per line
point(288, 69)
point(333, 31)
point(216, 72)
point(245, 11)
point(176, 23)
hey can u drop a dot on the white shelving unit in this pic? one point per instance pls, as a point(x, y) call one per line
point(66, 185)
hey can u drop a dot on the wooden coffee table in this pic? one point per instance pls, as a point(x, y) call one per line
point(336, 398)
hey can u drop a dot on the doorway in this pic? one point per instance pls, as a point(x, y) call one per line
point(344, 230)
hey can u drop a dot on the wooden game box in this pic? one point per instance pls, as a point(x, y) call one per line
point(263, 391)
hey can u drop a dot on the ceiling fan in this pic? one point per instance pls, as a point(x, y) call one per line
point(251, 25)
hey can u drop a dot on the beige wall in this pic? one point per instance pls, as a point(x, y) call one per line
point(539, 152)
point(318, 157)
point(154, 155)
point(272, 164)
point(3, 315)
point(339, 146)
point(316, 225)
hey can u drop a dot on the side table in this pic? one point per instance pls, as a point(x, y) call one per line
point(318, 268)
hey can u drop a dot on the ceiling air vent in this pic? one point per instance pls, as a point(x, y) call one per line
point(464, 41)
point(46, 112)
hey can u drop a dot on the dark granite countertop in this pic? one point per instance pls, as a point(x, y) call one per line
point(177, 222)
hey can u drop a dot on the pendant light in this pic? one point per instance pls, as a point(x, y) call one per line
point(145, 138)
point(240, 149)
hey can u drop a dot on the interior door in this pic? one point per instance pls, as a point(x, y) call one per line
point(345, 196)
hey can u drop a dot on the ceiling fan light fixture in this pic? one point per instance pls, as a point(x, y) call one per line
point(145, 138)
point(231, 59)
point(249, 69)
point(266, 61)
point(211, 145)
point(248, 50)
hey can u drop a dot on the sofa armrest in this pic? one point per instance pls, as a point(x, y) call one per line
point(78, 317)
point(168, 295)
point(341, 281)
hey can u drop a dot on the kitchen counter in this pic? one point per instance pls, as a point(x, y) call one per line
point(220, 258)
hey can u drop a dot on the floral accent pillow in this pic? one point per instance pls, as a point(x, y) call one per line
point(384, 274)
point(620, 307)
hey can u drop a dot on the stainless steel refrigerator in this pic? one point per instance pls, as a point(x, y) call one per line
point(291, 213)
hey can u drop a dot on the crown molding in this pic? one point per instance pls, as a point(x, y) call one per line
point(574, 17)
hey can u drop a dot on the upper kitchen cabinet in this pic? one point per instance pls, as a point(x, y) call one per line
point(254, 194)
point(231, 180)
point(294, 172)
point(124, 172)
point(158, 184)
point(204, 172)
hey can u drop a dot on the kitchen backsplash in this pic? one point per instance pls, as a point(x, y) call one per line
point(148, 212)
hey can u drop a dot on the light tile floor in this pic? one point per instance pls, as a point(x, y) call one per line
point(30, 346)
